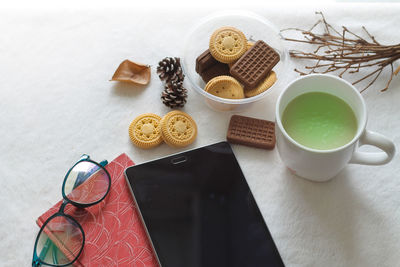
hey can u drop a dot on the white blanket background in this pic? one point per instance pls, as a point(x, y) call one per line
point(56, 103)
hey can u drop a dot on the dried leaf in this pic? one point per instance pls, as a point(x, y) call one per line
point(132, 72)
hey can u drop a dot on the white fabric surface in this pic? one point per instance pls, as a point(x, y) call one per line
point(56, 103)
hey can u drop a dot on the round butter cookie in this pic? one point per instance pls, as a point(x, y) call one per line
point(145, 131)
point(227, 44)
point(178, 129)
point(225, 87)
point(263, 86)
point(249, 44)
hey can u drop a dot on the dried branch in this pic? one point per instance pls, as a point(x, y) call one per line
point(346, 52)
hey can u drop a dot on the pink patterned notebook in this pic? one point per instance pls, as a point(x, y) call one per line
point(114, 232)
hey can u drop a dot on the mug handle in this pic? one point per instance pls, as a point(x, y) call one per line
point(374, 158)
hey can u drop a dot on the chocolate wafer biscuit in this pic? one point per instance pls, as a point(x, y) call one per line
point(255, 64)
point(219, 69)
point(204, 61)
point(248, 46)
point(251, 132)
point(208, 67)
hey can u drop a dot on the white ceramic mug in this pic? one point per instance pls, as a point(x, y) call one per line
point(322, 165)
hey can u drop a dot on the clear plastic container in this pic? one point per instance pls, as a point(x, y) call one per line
point(255, 27)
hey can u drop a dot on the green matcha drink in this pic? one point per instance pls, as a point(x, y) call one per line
point(320, 121)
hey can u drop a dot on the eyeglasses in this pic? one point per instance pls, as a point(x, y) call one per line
point(87, 183)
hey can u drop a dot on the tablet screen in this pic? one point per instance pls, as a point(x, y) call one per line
point(199, 210)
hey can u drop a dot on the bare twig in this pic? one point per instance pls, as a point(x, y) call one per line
point(397, 71)
point(345, 51)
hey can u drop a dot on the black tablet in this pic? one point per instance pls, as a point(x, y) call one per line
point(199, 210)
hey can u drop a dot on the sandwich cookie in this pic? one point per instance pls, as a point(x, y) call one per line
point(263, 86)
point(178, 129)
point(145, 131)
point(225, 87)
point(227, 44)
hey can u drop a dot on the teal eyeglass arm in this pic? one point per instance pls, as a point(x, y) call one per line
point(46, 248)
point(103, 163)
point(55, 251)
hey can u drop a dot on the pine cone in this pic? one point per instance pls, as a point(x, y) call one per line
point(169, 70)
point(174, 95)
